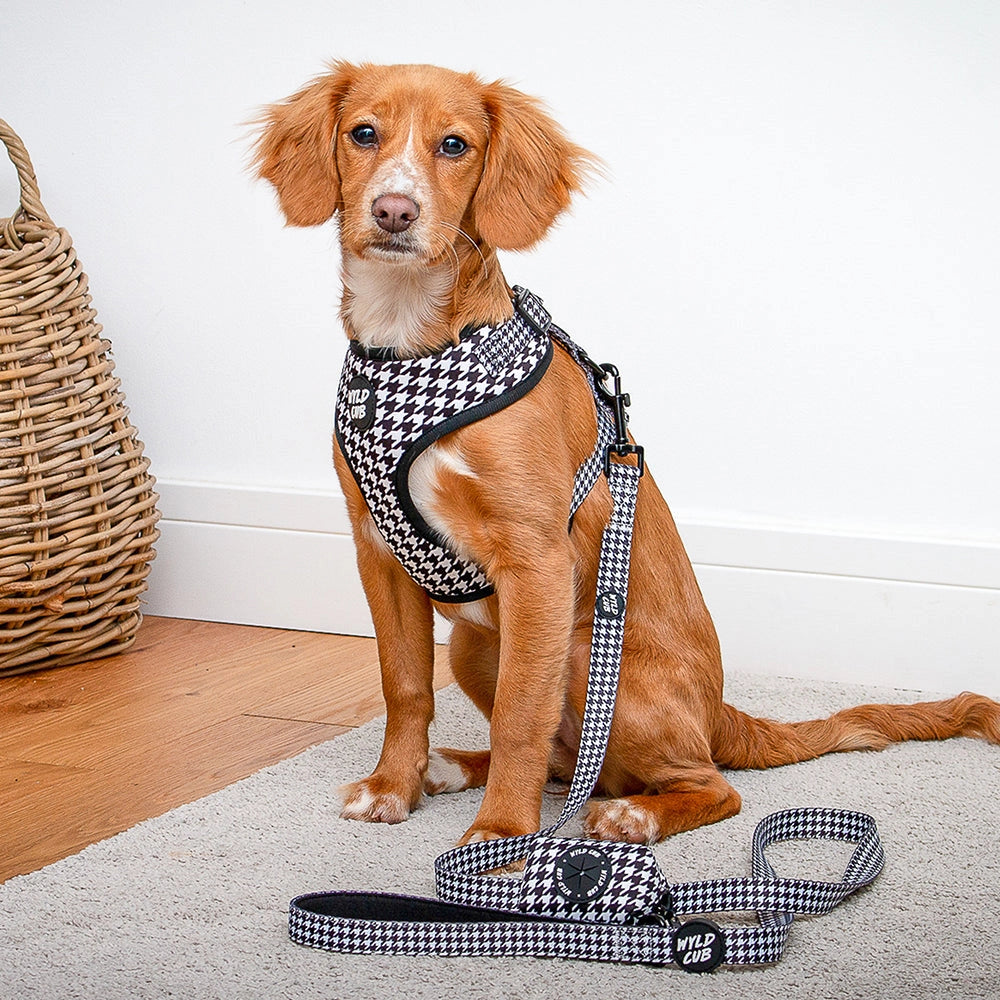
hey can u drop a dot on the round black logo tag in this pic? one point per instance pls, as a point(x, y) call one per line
point(582, 873)
point(361, 402)
point(699, 946)
point(610, 605)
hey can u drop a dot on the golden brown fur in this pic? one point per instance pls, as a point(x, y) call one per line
point(522, 654)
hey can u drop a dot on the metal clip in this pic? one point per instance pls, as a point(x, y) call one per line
point(618, 401)
point(663, 914)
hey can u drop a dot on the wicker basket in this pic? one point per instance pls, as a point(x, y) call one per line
point(77, 508)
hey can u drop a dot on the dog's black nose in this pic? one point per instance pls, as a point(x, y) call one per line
point(395, 212)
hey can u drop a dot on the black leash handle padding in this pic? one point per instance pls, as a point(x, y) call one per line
point(384, 906)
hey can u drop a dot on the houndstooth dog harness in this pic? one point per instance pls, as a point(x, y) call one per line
point(578, 898)
point(390, 410)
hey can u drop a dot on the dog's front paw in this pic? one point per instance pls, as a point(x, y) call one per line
point(622, 821)
point(372, 801)
point(475, 835)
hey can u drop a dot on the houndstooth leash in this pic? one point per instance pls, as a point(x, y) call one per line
point(579, 898)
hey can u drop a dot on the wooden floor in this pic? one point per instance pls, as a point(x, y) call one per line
point(88, 751)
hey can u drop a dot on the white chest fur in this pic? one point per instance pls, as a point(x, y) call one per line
point(393, 304)
point(424, 482)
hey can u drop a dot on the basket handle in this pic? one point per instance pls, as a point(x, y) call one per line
point(31, 201)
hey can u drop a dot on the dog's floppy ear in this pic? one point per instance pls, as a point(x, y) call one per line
point(530, 174)
point(295, 148)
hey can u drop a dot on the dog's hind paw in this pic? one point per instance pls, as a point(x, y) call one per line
point(455, 770)
point(361, 801)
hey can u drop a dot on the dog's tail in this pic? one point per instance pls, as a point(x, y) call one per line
point(741, 741)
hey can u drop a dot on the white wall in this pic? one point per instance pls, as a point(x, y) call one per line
point(793, 259)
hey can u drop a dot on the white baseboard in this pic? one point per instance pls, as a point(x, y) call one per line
point(904, 612)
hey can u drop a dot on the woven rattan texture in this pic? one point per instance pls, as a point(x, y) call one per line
point(77, 508)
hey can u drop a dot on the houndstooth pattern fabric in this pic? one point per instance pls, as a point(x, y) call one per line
point(391, 409)
point(775, 900)
point(494, 935)
point(597, 882)
point(608, 633)
point(351, 922)
point(766, 893)
point(592, 467)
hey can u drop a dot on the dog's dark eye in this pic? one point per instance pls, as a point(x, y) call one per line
point(364, 135)
point(452, 145)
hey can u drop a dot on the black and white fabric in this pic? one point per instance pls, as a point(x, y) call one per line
point(390, 410)
point(584, 880)
point(458, 873)
point(577, 898)
point(532, 308)
point(385, 924)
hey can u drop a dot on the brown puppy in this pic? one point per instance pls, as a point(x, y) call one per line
point(429, 173)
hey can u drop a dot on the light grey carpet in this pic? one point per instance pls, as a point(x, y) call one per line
point(193, 904)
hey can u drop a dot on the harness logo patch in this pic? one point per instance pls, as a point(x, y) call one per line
point(361, 402)
point(582, 873)
point(610, 605)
